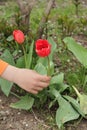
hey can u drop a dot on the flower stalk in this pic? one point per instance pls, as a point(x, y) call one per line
point(48, 69)
point(25, 56)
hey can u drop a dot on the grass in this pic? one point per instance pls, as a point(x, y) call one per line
point(7, 10)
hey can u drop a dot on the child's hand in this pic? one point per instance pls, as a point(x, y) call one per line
point(31, 81)
point(28, 80)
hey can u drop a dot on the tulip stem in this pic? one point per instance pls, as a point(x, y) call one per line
point(77, 92)
point(25, 56)
point(17, 47)
point(48, 70)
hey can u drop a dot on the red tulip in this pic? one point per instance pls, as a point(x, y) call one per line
point(43, 48)
point(18, 36)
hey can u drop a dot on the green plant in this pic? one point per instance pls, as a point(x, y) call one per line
point(83, 25)
point(80, 53)
point(67, 25)
point(54, 92)
point(76, 3)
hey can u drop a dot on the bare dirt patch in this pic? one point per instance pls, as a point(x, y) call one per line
point(12, 119)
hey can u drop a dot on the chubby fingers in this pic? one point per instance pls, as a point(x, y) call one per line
point(44, 78)
point(40, 85)
point(33, 91)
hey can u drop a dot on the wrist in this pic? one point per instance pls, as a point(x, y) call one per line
point(3, 66)
point(9, 73)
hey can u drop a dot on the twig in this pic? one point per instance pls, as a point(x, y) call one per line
point(40, 121)
point(15, 95)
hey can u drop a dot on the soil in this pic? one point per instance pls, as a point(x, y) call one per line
point(14, 119)
point(78, 125)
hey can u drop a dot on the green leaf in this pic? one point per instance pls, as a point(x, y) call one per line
point(25, 103)
point(79, 51)
point(44, 61)
point(7, 56)
point(20, 62)
point(53, 48)
point(57, 79)
point(41, 97)
point(5, 86)
point(52, 103)
point(82, 99)
point(63, 87)
point(10, 38)
point(29, 56)
point(75, 104)
point(40, 69)
point(85, 81)
point(51, 68)
point(15, 53)
point(65, 112)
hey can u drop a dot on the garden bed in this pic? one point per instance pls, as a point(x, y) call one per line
point(12, 119)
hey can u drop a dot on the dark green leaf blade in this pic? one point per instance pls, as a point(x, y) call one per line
point(40, 69)
point(75, 104)
point(79, 51)
point(25, 103)
point(5, 86)
point(65, 112)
